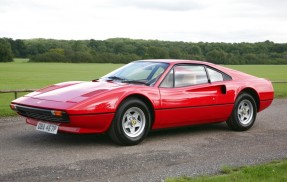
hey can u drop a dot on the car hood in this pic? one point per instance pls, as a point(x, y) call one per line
point(74, 92)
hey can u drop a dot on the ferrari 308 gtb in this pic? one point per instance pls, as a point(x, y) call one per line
point(148, 95)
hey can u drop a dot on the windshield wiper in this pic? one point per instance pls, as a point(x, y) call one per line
point(135, 81)
point(115, 78)
point(123, 80)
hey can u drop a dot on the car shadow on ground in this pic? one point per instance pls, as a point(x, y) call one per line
point(204, 128)
point(102, 140)
point(65, 139)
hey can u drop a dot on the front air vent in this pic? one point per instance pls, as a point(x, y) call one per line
point(41, 114)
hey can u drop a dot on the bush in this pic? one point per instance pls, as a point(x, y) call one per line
point(48, 57)
point(5, 51)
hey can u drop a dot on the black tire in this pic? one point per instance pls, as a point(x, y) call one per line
point(131, 123)
point(244, 113)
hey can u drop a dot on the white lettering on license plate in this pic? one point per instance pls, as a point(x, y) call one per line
point(48, 128)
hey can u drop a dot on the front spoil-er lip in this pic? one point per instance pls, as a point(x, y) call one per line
point(41, 114)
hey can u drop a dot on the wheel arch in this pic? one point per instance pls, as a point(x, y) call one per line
point(254, 94)
point(146, 100)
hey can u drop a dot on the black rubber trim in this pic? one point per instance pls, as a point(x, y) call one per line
point(41, 114)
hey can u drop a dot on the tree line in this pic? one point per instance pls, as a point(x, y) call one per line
point(124, 50)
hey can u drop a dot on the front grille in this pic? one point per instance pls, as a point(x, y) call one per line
point(41, 114)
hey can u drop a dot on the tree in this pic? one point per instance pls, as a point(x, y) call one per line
point(48, 57)
point(157, 53)
point(123, 50)
point(18, 48)
point(216, 56)
point(250, 58)
point(79, 46)
point(141, 50)
point(5, 51)
point(194, 50)
point(175, 53)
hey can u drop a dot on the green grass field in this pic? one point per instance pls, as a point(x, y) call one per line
point(23, 75)
point(274, 171)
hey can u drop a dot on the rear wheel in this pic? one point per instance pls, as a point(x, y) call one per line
point(244, 113)
point(131, 123)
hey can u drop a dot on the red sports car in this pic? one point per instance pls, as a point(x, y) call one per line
point(147, 95)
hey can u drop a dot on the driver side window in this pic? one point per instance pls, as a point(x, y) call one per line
point(168, 80)
point(185, 75)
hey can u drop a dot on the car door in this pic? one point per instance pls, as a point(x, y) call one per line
point(187, 96)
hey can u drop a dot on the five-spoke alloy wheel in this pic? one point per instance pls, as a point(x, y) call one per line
point(244, 113)
point(131, 123)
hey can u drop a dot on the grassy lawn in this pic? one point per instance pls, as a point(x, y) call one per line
point(21, 74)
point(272, 72)
point(275, 171)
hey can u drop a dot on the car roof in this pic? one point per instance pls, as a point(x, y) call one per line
point(174, 61)
point(179, 61)
point(230, 72)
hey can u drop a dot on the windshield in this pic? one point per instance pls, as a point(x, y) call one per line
point(138, 72)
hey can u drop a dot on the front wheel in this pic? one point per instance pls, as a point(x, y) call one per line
point(244, 113)
point(131, 123)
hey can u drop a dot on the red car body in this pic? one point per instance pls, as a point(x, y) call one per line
point(90, 107)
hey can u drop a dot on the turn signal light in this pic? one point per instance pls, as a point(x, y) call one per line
point(13, 106)
point(57, 113)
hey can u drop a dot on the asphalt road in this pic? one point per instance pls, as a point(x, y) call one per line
point(29, 155)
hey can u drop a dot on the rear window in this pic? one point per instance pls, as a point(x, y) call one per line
point(217, 76)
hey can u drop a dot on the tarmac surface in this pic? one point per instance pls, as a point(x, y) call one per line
point(30, 155)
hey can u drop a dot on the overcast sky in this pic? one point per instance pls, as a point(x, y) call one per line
point(174, 20)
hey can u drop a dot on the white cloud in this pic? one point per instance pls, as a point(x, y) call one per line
point(165, 5)
point(183, 20)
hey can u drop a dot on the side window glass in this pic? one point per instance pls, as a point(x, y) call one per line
point(214, 76)
point(186, 75)
point(168, 80)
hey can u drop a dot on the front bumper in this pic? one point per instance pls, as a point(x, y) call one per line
point(72, 123)
point(96, 123)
